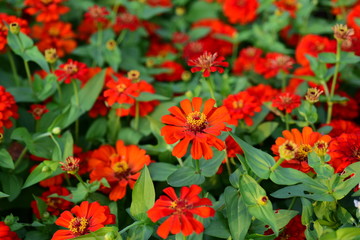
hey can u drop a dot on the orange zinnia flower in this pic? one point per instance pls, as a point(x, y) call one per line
point(83, 219)
point(47, 10)
point(181, 211)
point(120, 91)
point(240, 11)
point(304, 141)
point(191, 124)
point(120, 166)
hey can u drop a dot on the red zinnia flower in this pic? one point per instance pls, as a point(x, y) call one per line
point(37, 110)
point(313, 45)
point(120, 166)
point(232, 147)
point(58, 35)
point(99, 108)
point(342, 126)
point(159, 3)
point(71, 70)
point(8, 109)
point(8, 19)
point(190, 123)
point(83, 219)
point(54, 204)
point(294, 230)
point(126, 21)
point(290, 37)
point(208, 63)
point(6, 233)
point(272, 64)
point(242, 106)
point(47, 10)
point(181, 211)
point(287, 101)
point(262, 92)
point(247, 59)
point(243, 11)
point(174, 73)
point(290, 6)
point(352, 19)
point(344, 150)
point(304, 142)
point(120, 91)
point(346, 110)
point(97, 14)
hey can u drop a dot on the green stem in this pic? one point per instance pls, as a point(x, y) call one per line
point(99, 41)
point(137, 115)
point(59, 90)
point(283, 81)
point(81, 181)
point(57, 144)
point(212, 94)
point(76, 94)
point(277, 164)
point(13, 67)
point(227, 162)
point(121, 36)
point(130, 226)
point(235, 50)
point(287, 120)
point(180, 161)
point(21, 157)
point(333, 84)
point(28, 73)
point(197, 166)
point(292, 203)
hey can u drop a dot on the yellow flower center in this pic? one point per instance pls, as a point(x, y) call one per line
point(196, 121)
point(303, 151)
point(70, 68)
point(46, 1)
point(238, 104)
point(54, 31)
point(120, 167)
point(121, 87)
point(179, 205)
point(78, 226)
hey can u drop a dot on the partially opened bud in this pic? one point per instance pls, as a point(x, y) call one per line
point(71, 165)
point(50, 55)
point(14, 28)
point(313, 95)
point(342, 32)
point(287, 150)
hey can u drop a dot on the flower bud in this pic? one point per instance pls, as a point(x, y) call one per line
point(14, 28)
point(46, 215)
point(149, 63)
point(186, 76)
point(50, 55)
point(287, 150)
point(342, 32)
point(71, 165)
point(189, 94)
point(10, 219)
point(110, 236)
point(56, 131)
point(45, 169)
point(133, 75)
point(111, 44)
point(180, 11)
point(313, 94)
point(321, 148)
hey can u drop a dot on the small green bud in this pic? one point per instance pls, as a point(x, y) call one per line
point(45, 169)
point(110, 236)
point(56, 131)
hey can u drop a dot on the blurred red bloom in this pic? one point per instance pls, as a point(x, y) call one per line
point(344, 150)
point(126, 21)
point(71, 70)
point(97, 14)
point(46, 10)
point(242, 106)
point(286, 101)
point(243, 11)
point(232, 148)
point(304, 142)
point(120, 166)
point(273, 63)
point(174, 73)
point(8, 19)
point(340, 126)
point(290, 37)
point(294, 230)
point(6, 233)
point(196, 48)
point(145, 107)
point(246, 60)
point(56, 35)
point(191, 124)
point(54, 204)
point(37, 110)
point(120, 91)
point(180, 38)
point(352, 17)
point(159, 3)
point(313, 45)
point(208, 63)
point(83, 219)
point(289, 6)
point(262, 92)
point(181, 211)
point(8, 109)
point(160, 49)
point(99, 108)
point(345, 110)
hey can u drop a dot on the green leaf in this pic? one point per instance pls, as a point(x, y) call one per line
point(129, 135)
point(196, 11)
point(210, 167)
point(260, 162)
point(41, 172)
point(198, 32)
point(149, 12)
point(185, 176)
point(6, 160)
point(218, 227)
point(287, 176)
point(41, 205)
point(33, 54)
point(146, 96)
point(160, 171)
point(301, 190)
point(348, 233)
point(263, 131)
point(308, 112)
point(2, 195)
point(258, 204)
point(239, 219)
point(18, 43)
point(282, 219)
point(11, 185)
point(96, 130)
point(22, 94)
point(307, 211)
point(143, 195)
point(348, 180)
point(162, 146)
point(140, 232)
point(100, 234)
point(349, 58)
point(327, 57)
point(44, 88)
point(113, 57)
point(322, 169)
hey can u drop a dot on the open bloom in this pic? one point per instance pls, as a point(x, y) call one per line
point(208, 63)
point(83, 219)
point(120, 166)
point(302, 143)
point(46, 10)
point(181, 211)
point(286, 101)
point(240, 11)
point(37, 110)
point(273, 63)
point(71, 70)
point(6, 233)
point(199, 126)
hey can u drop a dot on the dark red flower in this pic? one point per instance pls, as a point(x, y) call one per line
point(97, 14)
point(286, 101)
point(289, 6)
point(71, 70)
point(126, 21)
point(248, 57)
point(37, 110)
point(208, 63)
point(181, 211)
point(294, 230)
point(8, 109)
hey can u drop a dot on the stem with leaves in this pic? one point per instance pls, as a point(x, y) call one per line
point(13, 67)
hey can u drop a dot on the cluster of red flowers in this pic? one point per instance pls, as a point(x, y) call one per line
point(8, 109)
